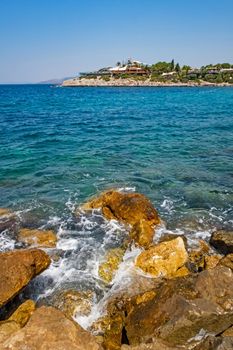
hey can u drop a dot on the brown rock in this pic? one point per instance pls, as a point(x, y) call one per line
point(17, 320)
point(5, 212)
point(110, 264)
point(49, 329)
point(222, 241)
point(156, 345)
point(130, 208)
point(38, 238)
point(227, 261)
point(7, 328)
point(197, 257)
point(182, 307)
point(228, 332)
point(212, 261)
point(142, 233)
point(73, 302)
point(17, 268)
point(163, 259)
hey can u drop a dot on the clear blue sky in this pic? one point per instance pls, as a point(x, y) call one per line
point(43, 39)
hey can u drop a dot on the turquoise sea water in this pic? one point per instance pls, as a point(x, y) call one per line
point(66, 144)
point(59, 146)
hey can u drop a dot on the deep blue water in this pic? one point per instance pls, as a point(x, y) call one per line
point(59, 146)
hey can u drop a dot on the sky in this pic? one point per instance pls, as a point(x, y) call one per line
point(44, 39)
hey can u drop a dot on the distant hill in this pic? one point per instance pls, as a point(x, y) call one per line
point(54, 81)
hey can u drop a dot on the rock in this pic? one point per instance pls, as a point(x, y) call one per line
point(182, 307)
point(142, 233)
point(163, 259)
point(156, 345)
point(110, 264)
point(228, 332)
point(38, 238)
point(17, 320)
point(222, 241)
point(8, 220)
point(227, 261)
point(196, 261)
point(23, 313)
point(215, 343)
point(7, 328)
point(49, 329)
point(212, 261)
point(17, 268)
point(72, 302)
point(5, 212)
point(130, 208)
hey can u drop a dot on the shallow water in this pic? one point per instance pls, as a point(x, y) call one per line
point(59, 146)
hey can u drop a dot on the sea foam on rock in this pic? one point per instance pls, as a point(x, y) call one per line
point(133, 209)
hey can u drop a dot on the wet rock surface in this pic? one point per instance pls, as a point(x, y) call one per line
point(222, 241)
point(73, 302)
point(130, 208)
point(17, 268)
point(37, 238)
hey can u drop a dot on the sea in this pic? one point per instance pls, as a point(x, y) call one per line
point(62, 146)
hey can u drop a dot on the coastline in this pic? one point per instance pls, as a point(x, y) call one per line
point(127, 82)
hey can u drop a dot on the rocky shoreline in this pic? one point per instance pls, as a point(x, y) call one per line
point(127, 82)
point(181, 299)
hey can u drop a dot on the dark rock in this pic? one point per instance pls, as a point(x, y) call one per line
point(222, 241)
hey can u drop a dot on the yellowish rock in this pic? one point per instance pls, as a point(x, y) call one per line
point(112, 260)
point(38, 238)
point(5, 212)
point(163, 259)
point(211, 261)
point(23, 313)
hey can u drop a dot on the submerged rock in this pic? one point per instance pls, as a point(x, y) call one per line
point(8, 220)
point(163, 259)
point(222, 241)
point(130, 208)
point(112, 260)
point(73, 302)
point(182, 307)
point(17, 268)
point(49, 329)
point(38, 238)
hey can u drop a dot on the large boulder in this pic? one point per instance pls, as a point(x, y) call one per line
point(163, 259)
point(38, 238)
point(183, 307)
point(17, 268)
point(49, 329)
point(222, 241)
point(130, 208)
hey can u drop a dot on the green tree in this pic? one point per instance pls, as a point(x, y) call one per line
point(172, 65)
point(177, 68)
point(118, 64)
